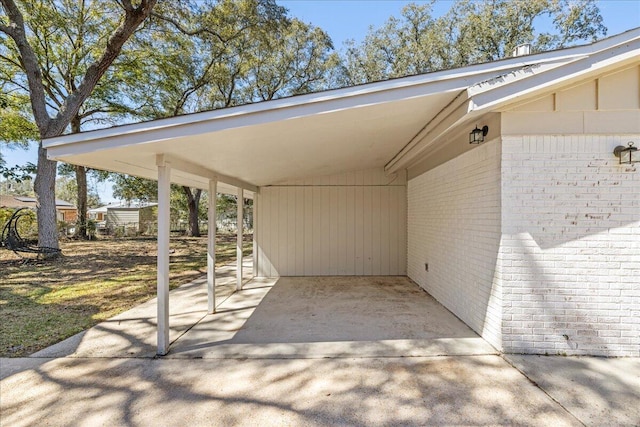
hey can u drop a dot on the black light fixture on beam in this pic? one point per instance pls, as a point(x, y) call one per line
point(628, 154)
point(477, 135)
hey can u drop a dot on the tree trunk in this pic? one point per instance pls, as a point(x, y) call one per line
point(44, 186)
point(81, 181)
point(193, 200)
point(12, 24)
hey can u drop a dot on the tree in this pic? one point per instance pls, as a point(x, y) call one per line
point(53, 113)
point(471, 32)
point(67, 190)
point(255, 54)
point(133, 188)
point(17, 187)
point(140, 190)
point(16, 128)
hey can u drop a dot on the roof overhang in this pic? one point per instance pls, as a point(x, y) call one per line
point(516, 86)
point(383, 124)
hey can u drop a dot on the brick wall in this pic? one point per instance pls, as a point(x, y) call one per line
point(570, 251)
point(454, 226)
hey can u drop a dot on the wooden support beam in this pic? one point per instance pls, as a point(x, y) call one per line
point(211, 248)
point(189, 167)
point(446, 118)
point(239, 238)
point(164, 185)
point(255, 235)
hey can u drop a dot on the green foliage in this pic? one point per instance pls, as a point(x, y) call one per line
point(16, 127)
point(227, 210)
point(132, 188)
point(17, 173)
point(67, 37)
point(27, 224)
point(471, 32)
point(217, 54)
point(67, 190)
point(17, 187)
point(54, 53)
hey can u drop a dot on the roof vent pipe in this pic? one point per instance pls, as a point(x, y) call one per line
point(521, 50)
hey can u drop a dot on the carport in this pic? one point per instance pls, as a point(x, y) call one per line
point(324, 170)
point(344, 181)
point(284, 318)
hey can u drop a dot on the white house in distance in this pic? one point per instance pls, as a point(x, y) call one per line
point(531, 237)
point(123, 214)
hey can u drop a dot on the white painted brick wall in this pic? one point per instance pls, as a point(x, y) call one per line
point(570, 251)
point(454, 225)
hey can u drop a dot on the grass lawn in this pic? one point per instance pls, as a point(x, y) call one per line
point(42, 303)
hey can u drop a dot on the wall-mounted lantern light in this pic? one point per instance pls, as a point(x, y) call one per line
point(477, 135)
point(627, 155)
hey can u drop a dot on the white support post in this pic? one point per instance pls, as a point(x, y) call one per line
point(255, 235)
point(164, 185)
point(239, 239)
point(211, 247)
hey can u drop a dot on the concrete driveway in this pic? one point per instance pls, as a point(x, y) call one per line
point(308, 351)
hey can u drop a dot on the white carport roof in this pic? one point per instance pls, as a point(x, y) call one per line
point(384, 124)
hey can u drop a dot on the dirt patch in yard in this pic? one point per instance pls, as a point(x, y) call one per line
point(42, 303)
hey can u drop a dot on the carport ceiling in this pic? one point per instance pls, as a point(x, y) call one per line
point(263, 154)
point(266, 143)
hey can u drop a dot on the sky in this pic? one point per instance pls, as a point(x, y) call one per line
point(351, 19)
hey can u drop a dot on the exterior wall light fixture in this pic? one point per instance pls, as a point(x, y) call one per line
point(477, 135)
point(628, 154)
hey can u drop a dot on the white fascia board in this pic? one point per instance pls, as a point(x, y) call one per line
point(317, 103)
point(451, 113)
point(517, 83)
point(304, 105)
point(236, 117)
point(457, 111)
point(528, 81)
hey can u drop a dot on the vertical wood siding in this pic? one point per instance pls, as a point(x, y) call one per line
point(118, 217)
point(347, 224)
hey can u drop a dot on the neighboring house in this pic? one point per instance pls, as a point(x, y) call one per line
point(531, 236)
point(97, 214)
point(65, 211)
point(127, 215)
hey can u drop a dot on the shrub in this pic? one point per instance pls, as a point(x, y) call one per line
point(27, 224)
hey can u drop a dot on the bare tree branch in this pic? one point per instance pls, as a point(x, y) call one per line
point(30, 62)
point(126, 5)
point(134, 17)
point(188, 32)
point(7, 30)
point(11, 61)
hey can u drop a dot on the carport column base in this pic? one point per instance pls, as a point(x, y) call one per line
point(211, 247)
point(164, 185)
point(239, 221)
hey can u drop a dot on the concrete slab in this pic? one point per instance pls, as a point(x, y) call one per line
point(308, 351)
point(476, 390)
point(14, 365)
point(307, 317)
point(596, 390)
